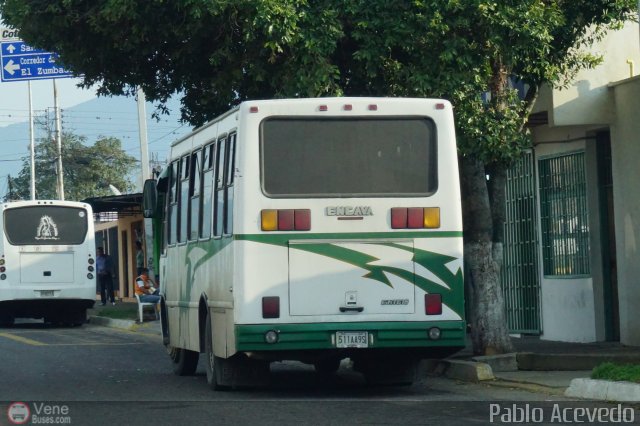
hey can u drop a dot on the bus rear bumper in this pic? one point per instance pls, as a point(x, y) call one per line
point(298, 341)
point(41, 308)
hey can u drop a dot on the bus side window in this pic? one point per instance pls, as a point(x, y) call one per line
point(183, 205)
point(229, 172)
point(219, 188)
point(172, 202)
point(208, 156)
point(194, 195)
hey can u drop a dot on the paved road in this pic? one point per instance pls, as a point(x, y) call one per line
point(109, 376)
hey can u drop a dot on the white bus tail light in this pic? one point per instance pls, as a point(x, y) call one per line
point(440, 106)
point(271, 307)
point(285, 220)
point(433, 304)
point(253, 109)
point(347, 107)
point(372, 107)
point(323, 108)
point(415, 217)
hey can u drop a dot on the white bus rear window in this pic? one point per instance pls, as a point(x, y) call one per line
point(348, 157)
point(45, 225)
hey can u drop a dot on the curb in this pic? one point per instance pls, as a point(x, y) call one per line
point(468, 371)
point(113, 323)
point(604, 390)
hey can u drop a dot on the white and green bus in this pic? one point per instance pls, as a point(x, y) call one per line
point(312, 230)
point(47, 261)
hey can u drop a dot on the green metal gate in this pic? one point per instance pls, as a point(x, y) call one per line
point(520, 279)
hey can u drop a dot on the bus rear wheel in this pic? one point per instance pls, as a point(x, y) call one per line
point(213, 364)
point(185, 362)
point(6, 321)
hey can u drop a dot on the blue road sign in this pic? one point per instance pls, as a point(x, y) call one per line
point(22, 62)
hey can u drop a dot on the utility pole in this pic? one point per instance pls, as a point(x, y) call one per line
point(32, 146)
point(9, 184)
point(58, 141)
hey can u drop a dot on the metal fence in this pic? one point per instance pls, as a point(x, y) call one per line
point(520, 280)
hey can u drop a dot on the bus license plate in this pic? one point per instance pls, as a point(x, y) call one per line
point(352, 339)
point(46, 293)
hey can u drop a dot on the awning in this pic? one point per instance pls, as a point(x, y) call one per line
point(128, 204)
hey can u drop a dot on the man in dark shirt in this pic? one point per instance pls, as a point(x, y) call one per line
point(104, 268)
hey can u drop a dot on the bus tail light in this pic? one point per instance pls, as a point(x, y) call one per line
point(415, 217)
point(271, 307)
point(433, 304)
point(285, 220)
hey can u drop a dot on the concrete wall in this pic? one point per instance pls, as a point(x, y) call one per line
point(625, 146)
point(587, 100)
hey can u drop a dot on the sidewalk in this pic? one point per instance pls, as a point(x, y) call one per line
point(124, 315)
point(556, 368)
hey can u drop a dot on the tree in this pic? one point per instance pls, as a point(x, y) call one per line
point(218, 53)
point(88, 170)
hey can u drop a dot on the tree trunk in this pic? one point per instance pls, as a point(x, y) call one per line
point(483, 254)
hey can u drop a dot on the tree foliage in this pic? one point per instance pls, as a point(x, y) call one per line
point(88, 170)
point(216, 53)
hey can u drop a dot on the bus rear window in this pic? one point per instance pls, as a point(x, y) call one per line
point(45, 225)
point(348, 157)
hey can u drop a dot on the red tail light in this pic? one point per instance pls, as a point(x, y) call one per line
point(271, 307)
point(415, 217)
point(302, 220)
point(285, 220)
point(432, 304)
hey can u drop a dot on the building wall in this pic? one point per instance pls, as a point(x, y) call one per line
point(126, 262)
point(571, 307)
point(625, 147)
point(588, 100)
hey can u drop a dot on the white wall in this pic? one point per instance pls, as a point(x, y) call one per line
point(625, 147)
point(587, 100)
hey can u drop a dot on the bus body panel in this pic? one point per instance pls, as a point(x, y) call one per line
point(50, 278)
point(385, 271)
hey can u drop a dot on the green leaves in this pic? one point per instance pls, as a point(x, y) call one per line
point(88, 170)
point(220, 52)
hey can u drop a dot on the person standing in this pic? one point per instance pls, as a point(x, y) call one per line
point(139, 258)
point(104, 268)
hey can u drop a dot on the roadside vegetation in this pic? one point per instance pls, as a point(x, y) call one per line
point(125, 311)
point(617, 372)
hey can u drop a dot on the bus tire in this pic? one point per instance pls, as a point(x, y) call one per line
point(184, 361)
point(6, 321)
point(213, 364)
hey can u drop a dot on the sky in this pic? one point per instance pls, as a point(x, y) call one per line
point(14, 98)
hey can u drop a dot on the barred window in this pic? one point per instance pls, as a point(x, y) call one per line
point(565, 222)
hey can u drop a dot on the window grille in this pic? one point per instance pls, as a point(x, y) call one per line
point(564, 217)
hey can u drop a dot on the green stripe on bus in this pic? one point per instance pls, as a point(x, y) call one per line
point(400, 334)
point(284, 238)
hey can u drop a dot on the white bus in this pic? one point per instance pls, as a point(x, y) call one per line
point(47, 261)
point(312, 230)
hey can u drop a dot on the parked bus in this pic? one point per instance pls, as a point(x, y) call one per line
point(47, 261)
point(312, 230)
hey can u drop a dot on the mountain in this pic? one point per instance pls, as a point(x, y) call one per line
point(100, 117)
